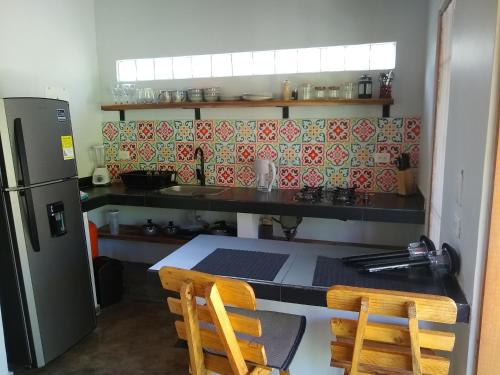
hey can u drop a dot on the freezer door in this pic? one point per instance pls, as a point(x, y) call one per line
point(40, 140)
point(58, 265)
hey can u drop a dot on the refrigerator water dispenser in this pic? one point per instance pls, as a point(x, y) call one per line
point(57, 221)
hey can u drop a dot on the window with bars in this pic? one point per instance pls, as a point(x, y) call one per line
point(376, 56)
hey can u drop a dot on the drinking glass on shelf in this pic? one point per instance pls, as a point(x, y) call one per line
point(349, 90)
point(149, 95)
point(139, 95)
point(129, 92)
point(118, 94)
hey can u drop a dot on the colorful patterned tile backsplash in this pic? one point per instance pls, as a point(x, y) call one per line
point(331, 152)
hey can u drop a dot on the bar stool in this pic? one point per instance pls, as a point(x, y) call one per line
point(236, 340)
point(364, 347)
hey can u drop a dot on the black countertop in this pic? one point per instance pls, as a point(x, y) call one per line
point(386, 207)
point(294, 282)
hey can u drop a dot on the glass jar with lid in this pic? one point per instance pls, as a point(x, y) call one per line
point(320, 92)
point(333, 92)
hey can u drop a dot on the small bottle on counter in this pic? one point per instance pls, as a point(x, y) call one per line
point(286, 92)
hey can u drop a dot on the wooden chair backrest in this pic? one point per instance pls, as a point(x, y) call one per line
point(364, 347)
point(216, 292)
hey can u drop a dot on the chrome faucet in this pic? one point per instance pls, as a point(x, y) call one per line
point(200, 171)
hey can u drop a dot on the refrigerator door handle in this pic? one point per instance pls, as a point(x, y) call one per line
point(21, 152)
point(30, 216)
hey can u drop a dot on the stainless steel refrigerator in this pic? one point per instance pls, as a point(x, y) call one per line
point(45, 289)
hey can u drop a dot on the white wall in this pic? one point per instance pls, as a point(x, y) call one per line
point(52, 43)
point(470, 139)
point(154, 28)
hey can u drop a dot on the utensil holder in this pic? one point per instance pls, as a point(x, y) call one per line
point(406, 182)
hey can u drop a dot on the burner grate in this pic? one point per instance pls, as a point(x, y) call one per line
point(337, 195)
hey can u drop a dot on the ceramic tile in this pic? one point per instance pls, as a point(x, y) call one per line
point(245, 153)
point(183, 130)
point(412, 129)
point(267, 131)
point(386, 180)
point(164, 131)
point(313, 176)
point(313, 154)
point(128, 131)
point(363, 130)
point(389, 130)
point(147, 152)
point(289, 131)
point(166, 152)
point(331, 152)
point(362, 178)
point(245, 131)
point(337, 154)
point(225, 174)
point(290, 154)
point(289, 177)
point(224, 131)
point(224, 153)
point(245, 176)
point(338, 130)
point(313, 131)
point(184, 151)
point(110, 131)
point(336, 176)
point(204, 130)
point(267, 151)
point(146, 131)
point(362, 155)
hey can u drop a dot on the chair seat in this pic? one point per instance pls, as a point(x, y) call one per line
point(281, 335)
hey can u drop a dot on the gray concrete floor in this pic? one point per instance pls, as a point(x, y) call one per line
point(135, 336)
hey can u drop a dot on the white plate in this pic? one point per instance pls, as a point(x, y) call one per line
point(230, 98)
point(255, 97)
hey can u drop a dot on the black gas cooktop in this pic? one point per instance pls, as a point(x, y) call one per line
point(337, 196)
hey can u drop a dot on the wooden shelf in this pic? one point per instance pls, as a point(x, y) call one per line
point(285, 104)
point(134, 233)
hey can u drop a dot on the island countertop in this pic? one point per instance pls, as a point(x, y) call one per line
point(294, 281)
point(385, 207)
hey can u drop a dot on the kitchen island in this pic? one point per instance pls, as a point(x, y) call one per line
point(293, 288)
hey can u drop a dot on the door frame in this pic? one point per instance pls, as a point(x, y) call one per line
point(443, 8)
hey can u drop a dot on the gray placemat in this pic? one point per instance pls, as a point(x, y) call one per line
point(332, 271)
point(256, 265)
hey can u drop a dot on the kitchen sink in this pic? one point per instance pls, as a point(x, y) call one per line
point(192, 190)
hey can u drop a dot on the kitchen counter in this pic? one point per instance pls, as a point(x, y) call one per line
point(294, 280)
point(386, 207)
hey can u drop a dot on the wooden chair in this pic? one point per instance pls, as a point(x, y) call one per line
point(364, 347)
point(229, 340)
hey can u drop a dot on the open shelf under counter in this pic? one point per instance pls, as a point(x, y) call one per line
point(284, 104)
point(134, 233)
